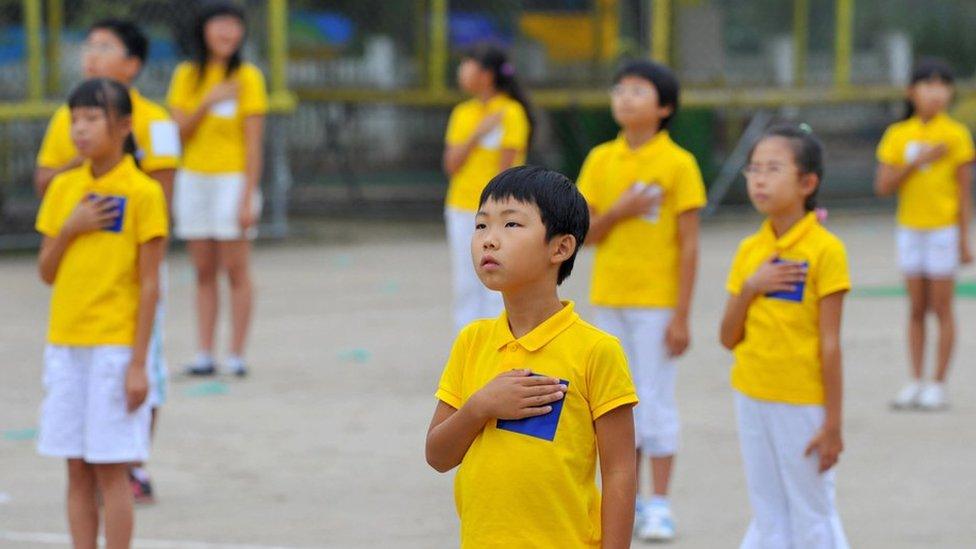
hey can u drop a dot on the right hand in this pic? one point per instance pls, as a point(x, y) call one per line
point(517, 394)
point(488, 124)
point(931, 154)
point(222, 92)
point(91, 214)
point(776, 277)
point(635, 202)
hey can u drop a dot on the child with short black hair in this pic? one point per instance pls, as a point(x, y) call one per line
point(644, 192)
point(529, 399)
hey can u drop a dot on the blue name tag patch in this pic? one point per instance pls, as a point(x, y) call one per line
point(543, 426)
point(797, 293)
point(119, 202)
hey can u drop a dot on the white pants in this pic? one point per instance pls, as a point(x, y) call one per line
point(207, 206)
point(472, 300)
point(84, 413)
point(641, 332)
point(931, 254)
point(793, 504)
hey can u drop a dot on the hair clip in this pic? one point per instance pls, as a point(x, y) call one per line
point(805, 128)
point(507, 69)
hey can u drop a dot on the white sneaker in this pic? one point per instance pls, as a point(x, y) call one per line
point(908, 396)
point(933, 397)
point(657, 524)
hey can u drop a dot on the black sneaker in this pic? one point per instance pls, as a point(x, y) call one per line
point(239, 371)
point(201, 370)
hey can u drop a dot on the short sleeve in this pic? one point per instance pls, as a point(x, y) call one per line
point(690, 188)
point(888, 151)
point(587, 180)
point(515, 128)
point(50, 216)
point(57, 150)
point(737, 277)
point(449, 387)
point(832, 273)
point(254, 94)
point(609, 385)
point(178, 96)
point(151, 218)
point(455, 128)
point(964, 152)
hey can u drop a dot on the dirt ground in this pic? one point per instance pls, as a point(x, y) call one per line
point(323, 445)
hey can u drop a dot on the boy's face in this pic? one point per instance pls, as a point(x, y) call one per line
point(509, 247)
point(634, 102)
point(930, 96)
point(773, 179)
point(103, 55)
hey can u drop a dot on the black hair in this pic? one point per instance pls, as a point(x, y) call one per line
point(135, 41)
point(561, 206)
point(927, 69)
point(201, 53)
point(663, 80)
point(495, 60)
point(108, 95)
point(808, 153)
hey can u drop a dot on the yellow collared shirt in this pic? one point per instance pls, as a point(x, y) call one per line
point(484, 161)
point(95, 297)
point(156, 135)
point(779, 358)
point(520, 490)
point(636, 265)
point(929, 199)
point(217, 145)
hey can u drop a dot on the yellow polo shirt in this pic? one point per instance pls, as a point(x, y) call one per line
point(779, 358)
point(519, 490)
point(636, 265)
point(217, 145)
point(483, 163)
point(95, 298)
point(156, 135)
point(929, 198)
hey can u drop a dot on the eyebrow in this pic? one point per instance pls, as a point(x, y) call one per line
point(509, 211)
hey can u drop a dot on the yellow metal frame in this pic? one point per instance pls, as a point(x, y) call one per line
point(844, 42)
point(801, 36)
point(661, 23)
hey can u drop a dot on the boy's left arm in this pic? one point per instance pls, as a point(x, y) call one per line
point(678, 336)
point(618, 470)
point(964, 177)
point(136, 383)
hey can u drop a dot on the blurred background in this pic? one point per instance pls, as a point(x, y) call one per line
point(361, 89)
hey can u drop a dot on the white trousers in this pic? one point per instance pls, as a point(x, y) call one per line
point(793, 505)
point(641, 332)
point(472, 300)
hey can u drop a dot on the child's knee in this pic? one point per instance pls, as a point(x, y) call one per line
point(80, 472)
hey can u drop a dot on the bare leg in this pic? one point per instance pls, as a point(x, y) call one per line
point(940, 297)
point(82, 505)
point(203, 253)
point(235, 257)
point(113, 482)
point(661, 475)
point(918, 302)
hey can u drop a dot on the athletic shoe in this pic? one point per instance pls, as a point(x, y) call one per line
point(239, 370)
point(142, 492)
point(658, 524)
point(933, 397)
point(908, 396)
point(201, 370)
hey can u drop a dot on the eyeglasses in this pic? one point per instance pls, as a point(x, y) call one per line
point(99, 48)
point(638, 92)
point(756, 170)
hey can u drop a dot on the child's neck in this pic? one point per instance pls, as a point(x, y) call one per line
point(103, 165)
point(637, 136)
point(530, 306)
point(487, 95)
point(927, 117)
point(782, 222)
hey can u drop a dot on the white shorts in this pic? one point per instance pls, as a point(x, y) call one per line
point(641, 331)
point(793, 505)
point(206, 206)
point(472, 300)
point(84, 413)
point(930, 253)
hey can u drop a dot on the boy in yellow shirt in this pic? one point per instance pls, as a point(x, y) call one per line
point(529, 399)
point(117, 49)
point(644, 192)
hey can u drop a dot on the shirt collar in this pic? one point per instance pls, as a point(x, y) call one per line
point(125, 165)
point(540, 335)
point(792, 236)
point(652, 146)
